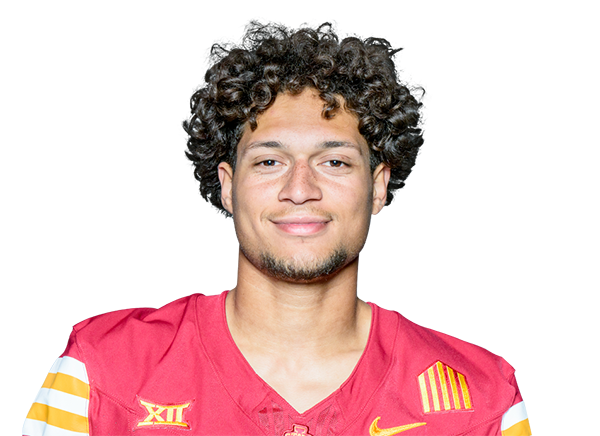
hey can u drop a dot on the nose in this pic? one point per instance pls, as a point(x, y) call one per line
point(301, 185)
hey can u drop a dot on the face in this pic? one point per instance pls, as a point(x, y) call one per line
point(302, 193)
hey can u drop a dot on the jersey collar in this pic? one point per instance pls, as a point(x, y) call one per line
point(264, 405)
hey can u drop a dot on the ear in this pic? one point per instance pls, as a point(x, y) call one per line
point(226, 180)
point(381, 177)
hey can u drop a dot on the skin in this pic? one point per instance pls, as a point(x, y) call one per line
point(301, 191)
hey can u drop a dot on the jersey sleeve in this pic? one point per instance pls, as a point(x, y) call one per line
point(514, 420)
point(61, 406)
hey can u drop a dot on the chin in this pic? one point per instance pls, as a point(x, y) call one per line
point(305, 270)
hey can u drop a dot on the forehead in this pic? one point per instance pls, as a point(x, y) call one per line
point(297, 120)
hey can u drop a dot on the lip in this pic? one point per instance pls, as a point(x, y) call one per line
point(301, 225)
point(301, 219)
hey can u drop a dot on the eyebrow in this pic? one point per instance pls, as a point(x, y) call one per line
point(322, 145)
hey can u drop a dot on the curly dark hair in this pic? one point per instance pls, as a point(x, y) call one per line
point(244, 81)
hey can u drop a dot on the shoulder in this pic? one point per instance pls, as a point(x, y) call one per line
point(425, 346)
point(126, 322)
point(133, 339)
point(142, 324)
point(448, 377)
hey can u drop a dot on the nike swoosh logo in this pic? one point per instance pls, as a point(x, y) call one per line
point(374, 430)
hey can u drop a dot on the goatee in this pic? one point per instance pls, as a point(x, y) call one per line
point(288, 271)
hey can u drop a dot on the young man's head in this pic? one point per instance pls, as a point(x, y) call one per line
point(301, 138)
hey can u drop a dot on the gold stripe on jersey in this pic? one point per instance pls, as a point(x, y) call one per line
point(465, 390)
point(442, 377)
point(519, 429)
point(67, 383)
point(434, 392)
point(424, 395)
point(453, 387)
point(437, 383)
point(58, 418)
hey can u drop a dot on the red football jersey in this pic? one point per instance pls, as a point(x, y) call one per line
point(177, 371)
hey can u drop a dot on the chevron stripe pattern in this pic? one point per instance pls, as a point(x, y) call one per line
point(443, 389)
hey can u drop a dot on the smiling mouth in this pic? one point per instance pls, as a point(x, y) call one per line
point(301, 226)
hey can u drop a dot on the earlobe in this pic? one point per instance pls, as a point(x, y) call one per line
point(381, 178)
point(226, 179)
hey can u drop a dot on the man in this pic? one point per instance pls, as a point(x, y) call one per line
point(300, 138)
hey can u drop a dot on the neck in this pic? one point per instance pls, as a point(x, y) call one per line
point(266, 315)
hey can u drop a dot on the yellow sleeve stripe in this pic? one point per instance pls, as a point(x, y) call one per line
point(66, 383)
point(519, 429)
point(58, 418)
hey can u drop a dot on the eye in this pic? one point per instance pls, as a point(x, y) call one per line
point(335, 163)
point(268, 163)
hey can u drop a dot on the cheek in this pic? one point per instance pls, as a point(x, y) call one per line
point(353, 206)
point(355, 197)
point(251, 199)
